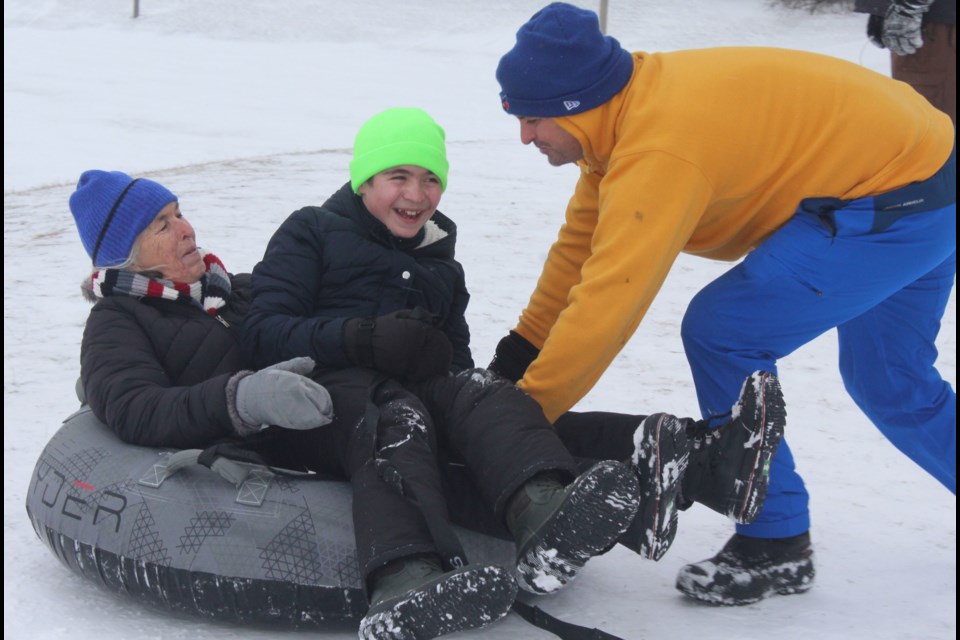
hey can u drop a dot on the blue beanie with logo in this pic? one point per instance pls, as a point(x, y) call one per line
point(562, 64)
point(111, 209)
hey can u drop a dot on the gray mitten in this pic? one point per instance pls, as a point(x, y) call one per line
point(302, 365)
point(902, 26)
point(280, 395)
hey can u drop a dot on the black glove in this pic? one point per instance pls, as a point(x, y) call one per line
point(514, 354)
point(403, 344)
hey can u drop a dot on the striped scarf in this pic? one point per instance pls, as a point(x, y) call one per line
point(209, 293)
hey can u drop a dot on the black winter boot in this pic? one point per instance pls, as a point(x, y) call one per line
point(729, 467)
point(749, 569)
point(414, 599)
point(661, 451)
point(679, 461)
point(559, 528)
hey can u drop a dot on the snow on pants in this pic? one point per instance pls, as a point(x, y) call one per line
point(487, 425)
point(879, 269)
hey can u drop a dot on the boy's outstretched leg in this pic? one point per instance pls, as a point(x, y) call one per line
point(415, 599)
point(679, 462)
point(559, 528)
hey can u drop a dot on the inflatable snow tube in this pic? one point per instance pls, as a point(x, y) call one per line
point(241, 544)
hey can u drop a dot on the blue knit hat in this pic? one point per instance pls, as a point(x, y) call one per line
point(562, 64)
point(111, 209)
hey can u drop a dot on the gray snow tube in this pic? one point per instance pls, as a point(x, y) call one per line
point(236, 543)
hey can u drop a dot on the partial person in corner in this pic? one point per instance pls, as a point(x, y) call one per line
point(922, 38)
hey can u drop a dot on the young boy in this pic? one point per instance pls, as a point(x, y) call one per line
point(367, 285)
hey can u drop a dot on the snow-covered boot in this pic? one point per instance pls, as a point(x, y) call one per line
point(661, 450)
point(729, 467)
point(749, 569)
point(559, 528)
point(414, 599)
point(679, 461)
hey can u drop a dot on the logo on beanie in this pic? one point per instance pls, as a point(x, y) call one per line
point(506, 105)
point(570, 105)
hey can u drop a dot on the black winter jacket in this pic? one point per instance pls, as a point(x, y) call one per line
point(327, 264)
point(155, 371)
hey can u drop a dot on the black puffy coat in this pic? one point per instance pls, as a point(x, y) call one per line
point(155, 371)
point(327, 264)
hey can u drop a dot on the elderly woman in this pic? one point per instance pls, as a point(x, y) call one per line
point(161, 362)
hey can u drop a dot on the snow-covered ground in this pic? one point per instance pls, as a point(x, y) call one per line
point(247, 110)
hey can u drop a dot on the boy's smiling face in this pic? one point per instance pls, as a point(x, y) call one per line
point(403, 198)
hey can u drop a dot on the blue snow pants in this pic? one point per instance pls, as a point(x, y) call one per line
point(879, 269)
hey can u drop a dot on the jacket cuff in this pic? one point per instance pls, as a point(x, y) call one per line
point(243, 429)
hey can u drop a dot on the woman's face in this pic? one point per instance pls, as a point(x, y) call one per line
point(403, 198)
point(169, 246)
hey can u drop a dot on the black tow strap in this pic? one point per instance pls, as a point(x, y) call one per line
point(238, 453)
point(563, 630)
point(448, 544)
point(230, 451)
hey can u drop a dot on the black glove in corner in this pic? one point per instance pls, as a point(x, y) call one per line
point(403, 344)
point(514, 354)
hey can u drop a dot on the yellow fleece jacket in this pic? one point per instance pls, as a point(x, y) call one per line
point(708, 152)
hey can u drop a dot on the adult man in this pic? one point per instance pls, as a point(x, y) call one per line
point(840, 183)
point(922, 38)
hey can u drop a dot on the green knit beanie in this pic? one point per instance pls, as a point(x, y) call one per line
point(395, 137)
